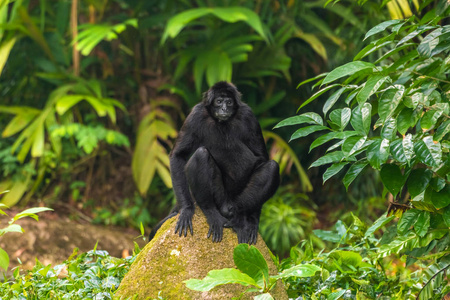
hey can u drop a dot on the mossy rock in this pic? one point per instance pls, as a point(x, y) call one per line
point(168, 260)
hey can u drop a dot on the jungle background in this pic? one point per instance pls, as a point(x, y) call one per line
point(93, 93)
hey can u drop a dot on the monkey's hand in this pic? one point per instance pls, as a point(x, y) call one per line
point(185, 221)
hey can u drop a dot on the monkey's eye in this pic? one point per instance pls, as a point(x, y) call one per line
point(218, 101)
point(229, 102)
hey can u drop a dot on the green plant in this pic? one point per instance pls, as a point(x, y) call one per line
point(252, 270)
point(286, 219)
point(91, 275)
point(395, 119)
point(12, 227)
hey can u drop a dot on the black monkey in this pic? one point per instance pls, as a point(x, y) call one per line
point(220, 160)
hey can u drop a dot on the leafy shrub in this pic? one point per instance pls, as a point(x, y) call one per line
point(286, 219)
point(393, 116)
point(12, 227)
point(91, 275)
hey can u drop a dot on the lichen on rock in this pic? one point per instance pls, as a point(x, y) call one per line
point(168, 260)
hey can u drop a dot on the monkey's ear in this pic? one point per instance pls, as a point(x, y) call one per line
point(208, 97)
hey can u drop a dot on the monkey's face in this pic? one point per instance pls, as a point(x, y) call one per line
point(223, 107)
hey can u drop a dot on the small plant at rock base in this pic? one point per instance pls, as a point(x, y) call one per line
point(252, 270)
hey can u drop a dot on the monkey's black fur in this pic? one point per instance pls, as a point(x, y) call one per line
point(220, 160)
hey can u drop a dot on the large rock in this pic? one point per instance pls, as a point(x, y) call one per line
point(168, 260)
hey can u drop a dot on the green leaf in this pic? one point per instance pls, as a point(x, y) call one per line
point(403, 149)
point(380, 222)
point(336, 295)
point(5, 49)
point(430, 118)
point(422, 224)
point(347, 69)
point(392, 178)
point(389, 101)
point(330, 136)
point(442, 131)
point(353, 172)
point(219, 277)
point(317, 94)
point(333, 170)
point(404, 120)
point(381, 27)
point(311, 79)
point(378, 153)
point(251, 262)
point(308, 118)
point(227, 14)
point(341, 117)
point(332, 100)
point(265, 296)
point(4, 259)
point(361, 118)
point(418, 180)
point(372, 85)
point(441, 199)
point(302, 132)
point(303, 270)
point(389, 129)
point(328, 158)
point(407, 220)
point(11, 228)
point(428, 151)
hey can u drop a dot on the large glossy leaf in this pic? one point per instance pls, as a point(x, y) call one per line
point(381, 27)
point(219, 277)
point(404, 120)
point(389, 129)
point(317, 94)
point(341, 117)
point(418, 181)
point(353, 172)
point(328, 158)
point(347, 69)
point(251, 262)
point(332, 100)
point(353, 144)
point(399, 245)
point(302, 270)
point(372, 85)
point(430, 118)
point(428, 151)
point(389, 101)
point(227, 14)
point(306, 118)
point(408, 219)
point(378, 224)
point(302, 132)
point(392, 178)
point(330, 136)
point(422, 224)
point(361, 118)
point(333, 170)
point(441, 199)
point(442, 131)
point(378, 153)
point(403, 149)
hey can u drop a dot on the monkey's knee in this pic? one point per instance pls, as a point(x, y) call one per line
point(197, 161)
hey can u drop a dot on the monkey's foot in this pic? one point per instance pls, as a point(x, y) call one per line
point(247, 234)
point(185, 221)
point(216, 228)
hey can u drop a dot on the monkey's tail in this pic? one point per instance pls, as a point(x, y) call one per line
point(172, 213)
